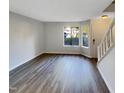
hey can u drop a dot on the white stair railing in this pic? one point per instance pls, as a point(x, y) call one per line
point(106, 43)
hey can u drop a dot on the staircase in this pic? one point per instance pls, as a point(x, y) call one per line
point(106, 43)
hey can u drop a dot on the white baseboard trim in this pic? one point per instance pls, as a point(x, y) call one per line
point(106, 81)
point(25, 61)
point(86, 55)
point(62, 53)
point(69, 53)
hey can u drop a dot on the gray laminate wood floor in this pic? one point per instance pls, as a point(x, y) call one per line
point(57, 74)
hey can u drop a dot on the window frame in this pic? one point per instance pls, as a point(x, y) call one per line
point(87, 34)
point(78, 38)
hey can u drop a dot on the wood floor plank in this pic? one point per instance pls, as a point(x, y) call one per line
point(57, 74)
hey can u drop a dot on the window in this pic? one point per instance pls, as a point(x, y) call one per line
point(85, 40)
point(71, 36)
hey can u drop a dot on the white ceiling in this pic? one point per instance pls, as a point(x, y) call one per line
point(59, 10)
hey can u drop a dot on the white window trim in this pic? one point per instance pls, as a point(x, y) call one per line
point(82, 39)
point(72, 45)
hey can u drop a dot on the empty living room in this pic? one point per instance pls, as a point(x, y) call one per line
point(61, 46)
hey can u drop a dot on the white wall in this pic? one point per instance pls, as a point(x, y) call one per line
point(107, 69)
point(26, 39)
point(29, 38)
point(54, 38)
